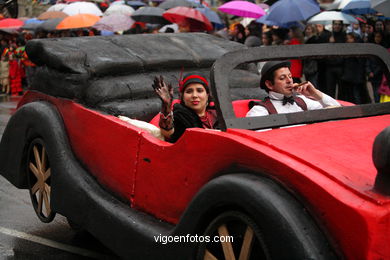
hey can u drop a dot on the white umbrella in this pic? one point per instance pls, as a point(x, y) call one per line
point(382, 6)
point(119, 9)
point(326, 17)
point(82, 8)
point(56, 7)
point(121, 2)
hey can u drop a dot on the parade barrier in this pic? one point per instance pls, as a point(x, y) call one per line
point(115, 73)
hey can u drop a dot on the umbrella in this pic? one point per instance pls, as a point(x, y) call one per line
point(106, 33)
point(192, 16)
point(31, 24)
point(119, 9)
point(382, 6)
point(82, 8)
point(78, 21)
point(356, 7)
point(168, 4)
point(10, 23)
point(52, 15)
point(196, 3)
point(264, 20)
point(135, 4)
point(263, 6)
point(286, 11)
point(50, 24)
point(114, 23)
point(242, 8)
point(31, 20)
point(120, 2)
point(210, 14)
point(327, 17)
point(152, 15)
point(56, 7)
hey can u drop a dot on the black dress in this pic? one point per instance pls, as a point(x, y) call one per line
point(183, 118)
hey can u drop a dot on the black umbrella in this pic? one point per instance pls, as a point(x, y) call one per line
point(30, 26)
point(149, 15)
point(50, 25)
point(168, 4)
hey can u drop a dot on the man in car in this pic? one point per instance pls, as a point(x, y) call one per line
point(284, 96)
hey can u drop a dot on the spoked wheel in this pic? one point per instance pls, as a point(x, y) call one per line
point(39, 179)
point(239, 238)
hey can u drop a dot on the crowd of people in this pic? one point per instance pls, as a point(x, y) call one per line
point(15, 67)
point(342, 78)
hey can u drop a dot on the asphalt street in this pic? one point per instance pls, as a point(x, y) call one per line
point(23, 236)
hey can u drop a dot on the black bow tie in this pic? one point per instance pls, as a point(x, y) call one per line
point(289, 99)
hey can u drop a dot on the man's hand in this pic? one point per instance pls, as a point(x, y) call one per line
point(308, 90)
point(164, 91)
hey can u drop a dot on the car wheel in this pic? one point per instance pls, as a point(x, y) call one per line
point(39, 180)
point(239, 238)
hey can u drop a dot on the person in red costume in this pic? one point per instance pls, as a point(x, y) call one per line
point(296, 37)
point(15, 77)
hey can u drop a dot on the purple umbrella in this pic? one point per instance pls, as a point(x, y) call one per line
point(114, 23)
point(242, 8)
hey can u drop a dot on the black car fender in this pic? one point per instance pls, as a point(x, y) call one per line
point(289, 231)
point(32, 120)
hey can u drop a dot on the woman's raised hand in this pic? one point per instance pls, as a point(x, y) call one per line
point(163, 90)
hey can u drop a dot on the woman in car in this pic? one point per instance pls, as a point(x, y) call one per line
point(194, 109)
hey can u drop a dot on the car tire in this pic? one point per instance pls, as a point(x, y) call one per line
point(282, 225)
point(38, 171)
point(246, 243)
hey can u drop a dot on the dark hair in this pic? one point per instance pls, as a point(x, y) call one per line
point(339, 21)
point(281, 33)
point(268, 72)
point(372, 38)
point(254, 28)
point(353, 35)
point(383, 24)
point(268, 35)
point(169, 30)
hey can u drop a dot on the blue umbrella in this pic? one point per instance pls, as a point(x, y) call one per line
point(264, 20)
point(33, 20)
point(356, 7)
point(31, 24)
point(135, 4)
point(286, 11)
point(210, 14)
point(106, 33)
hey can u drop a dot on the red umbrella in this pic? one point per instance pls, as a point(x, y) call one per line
point(11, 23)
point(182, 14)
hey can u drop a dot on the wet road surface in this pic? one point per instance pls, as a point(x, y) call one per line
point(23, 236)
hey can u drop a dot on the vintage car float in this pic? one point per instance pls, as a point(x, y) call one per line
point(313, 191)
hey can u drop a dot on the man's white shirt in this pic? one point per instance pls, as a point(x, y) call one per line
point(277, 101)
